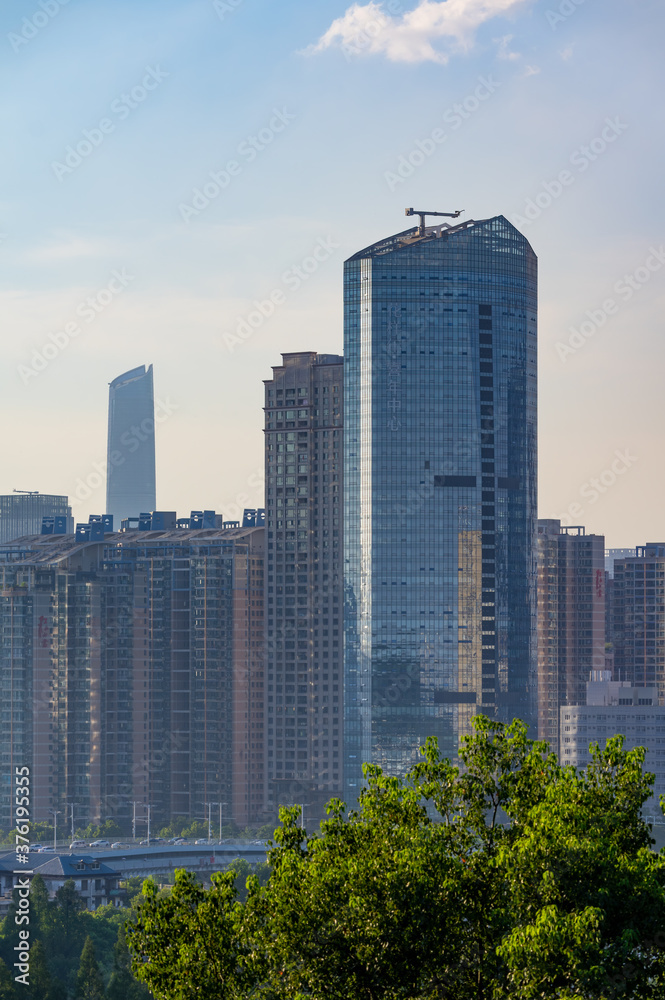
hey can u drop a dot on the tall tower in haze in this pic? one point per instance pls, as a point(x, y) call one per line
point(440, 489)
point(130, 483)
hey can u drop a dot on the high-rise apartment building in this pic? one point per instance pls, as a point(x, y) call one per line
point(571, 619)
point(304, 484)
point(130, 459)
point(440, 484)
point(131, 671)
point(639, 618)
point(23, 514)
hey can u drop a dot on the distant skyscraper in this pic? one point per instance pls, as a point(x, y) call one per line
point(440, 486)
point(571, 619)
point(303, 419)
point(22, 514)
point(130, 483)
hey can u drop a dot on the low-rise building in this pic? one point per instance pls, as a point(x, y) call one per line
point(617, 708)
point(97, 883)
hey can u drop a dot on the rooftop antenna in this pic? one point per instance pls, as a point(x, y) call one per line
point(422, 227)
point(31, 493)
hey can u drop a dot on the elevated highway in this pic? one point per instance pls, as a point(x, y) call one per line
point(163, 859)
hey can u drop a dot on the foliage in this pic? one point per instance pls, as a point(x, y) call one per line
point(190, 940)
point(507, 877)
point(122, 985)
point(89, 982)
point(7, 991)
point(59, 929)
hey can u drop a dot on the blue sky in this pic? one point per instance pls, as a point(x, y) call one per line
point(558, 125)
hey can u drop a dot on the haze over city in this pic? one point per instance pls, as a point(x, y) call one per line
point(306, 130)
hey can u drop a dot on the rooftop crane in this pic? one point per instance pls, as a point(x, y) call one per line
point(422, 227)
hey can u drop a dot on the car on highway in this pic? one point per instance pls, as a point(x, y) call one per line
point(148, 843)
point(179, 842)
point(35, 847)
point(100, 843)
point(75, 844)
point(201, 841)
point(119, 847)
point(46, 850)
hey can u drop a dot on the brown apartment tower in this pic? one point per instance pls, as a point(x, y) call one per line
point(571, 619)
point(303, 604)
point(134, 661)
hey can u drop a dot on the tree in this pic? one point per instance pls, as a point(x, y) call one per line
point(122, 984)
point(7, 991)
point(191, 937)
point(65, 936)
point(506, 877)
point(89, 982)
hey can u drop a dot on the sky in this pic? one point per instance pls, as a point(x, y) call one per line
point(169, 166)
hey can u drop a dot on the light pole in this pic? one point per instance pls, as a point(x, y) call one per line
point(134, 821)
point(55, 813)
point(220, 804)
point(209, 821)
point(71, 806)
point(148, 808)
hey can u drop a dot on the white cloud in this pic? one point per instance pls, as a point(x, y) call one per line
point(411, 37)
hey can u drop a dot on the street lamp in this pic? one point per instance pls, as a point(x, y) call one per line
point(71, 806)
point(220, 804)
point(55, 813)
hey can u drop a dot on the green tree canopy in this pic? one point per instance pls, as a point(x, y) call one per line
point(506, 877)
point(89, 982)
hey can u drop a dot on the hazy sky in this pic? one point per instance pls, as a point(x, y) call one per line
point(320, 123)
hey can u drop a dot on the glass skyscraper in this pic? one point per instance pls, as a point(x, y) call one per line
point(440, 483)
point(130, 482)
point(22, 514)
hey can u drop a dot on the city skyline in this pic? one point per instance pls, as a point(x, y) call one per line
point(116, 258)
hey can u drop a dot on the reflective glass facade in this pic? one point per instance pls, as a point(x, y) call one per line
point(22, 513)
point(130, 482)
point(440, 489)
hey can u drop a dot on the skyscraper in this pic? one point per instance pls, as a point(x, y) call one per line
point(130, 468)
point(303, 438)
point(440, 487)
point(571, 619)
